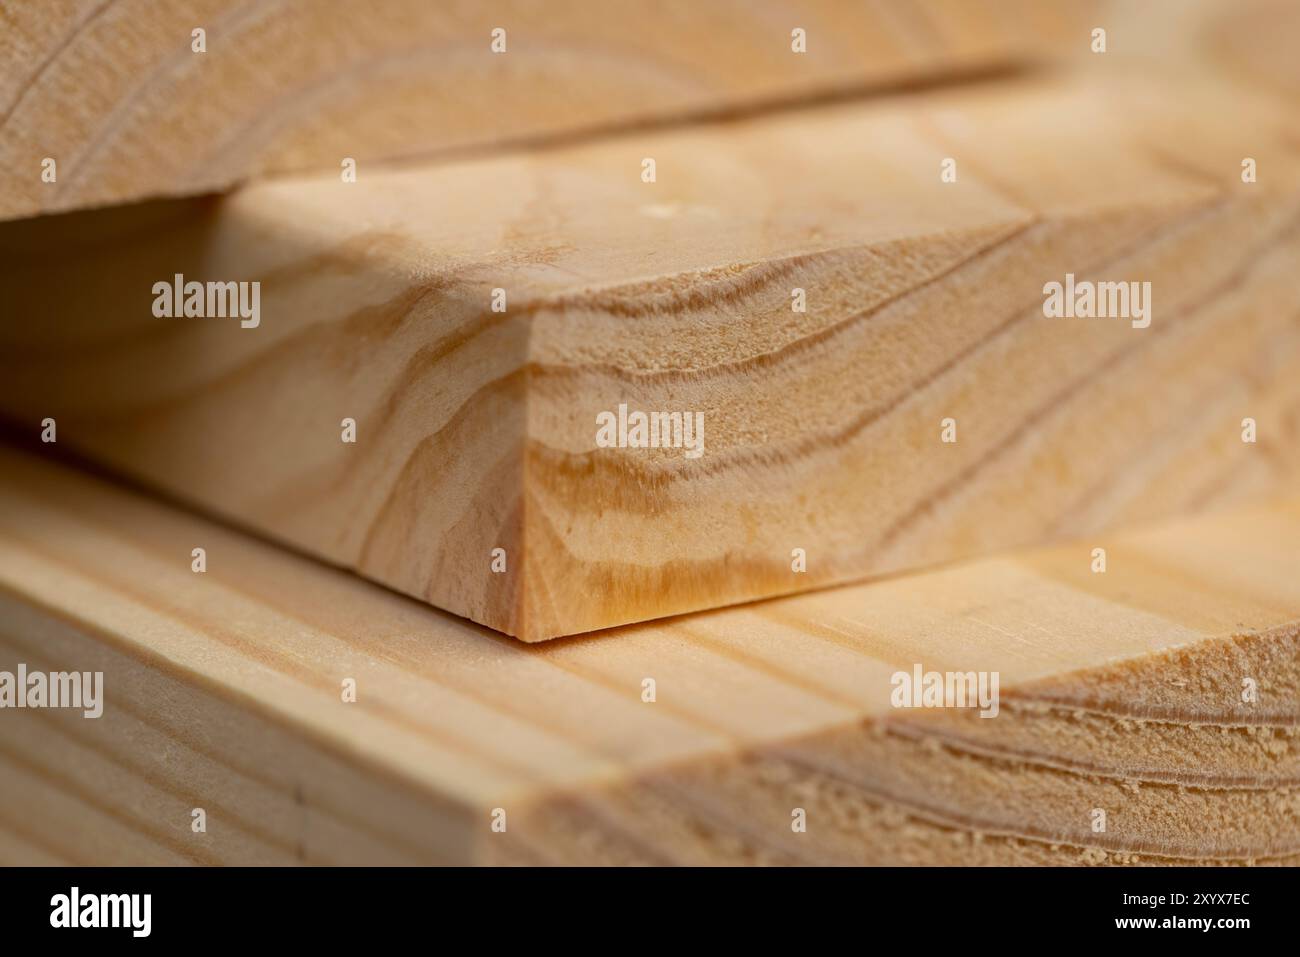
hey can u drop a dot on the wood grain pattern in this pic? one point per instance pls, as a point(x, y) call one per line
point(476, 429)
point(113, 91)
point(1120, 691)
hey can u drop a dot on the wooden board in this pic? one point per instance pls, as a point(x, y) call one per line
point(117, 96)
point(1250, 43)
point(1120, 692)
point(477, 429)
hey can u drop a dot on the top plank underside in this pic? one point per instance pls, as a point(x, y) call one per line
point(116, 94)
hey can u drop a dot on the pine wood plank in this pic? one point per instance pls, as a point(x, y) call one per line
point(477, 429)
point(1119, 691)
point(116, 94)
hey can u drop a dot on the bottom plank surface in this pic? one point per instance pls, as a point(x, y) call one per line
point(1146, 713)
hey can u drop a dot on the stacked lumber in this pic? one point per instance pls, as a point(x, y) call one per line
point(878, 423)
point(1120, 693)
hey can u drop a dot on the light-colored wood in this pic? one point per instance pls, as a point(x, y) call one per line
point(1250, 43)
point(1120, 691)
point(115, 93)
point(477, 429)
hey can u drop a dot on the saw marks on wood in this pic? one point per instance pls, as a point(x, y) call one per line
point(117, 94)
point(475, 320)
point(1122, 693)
